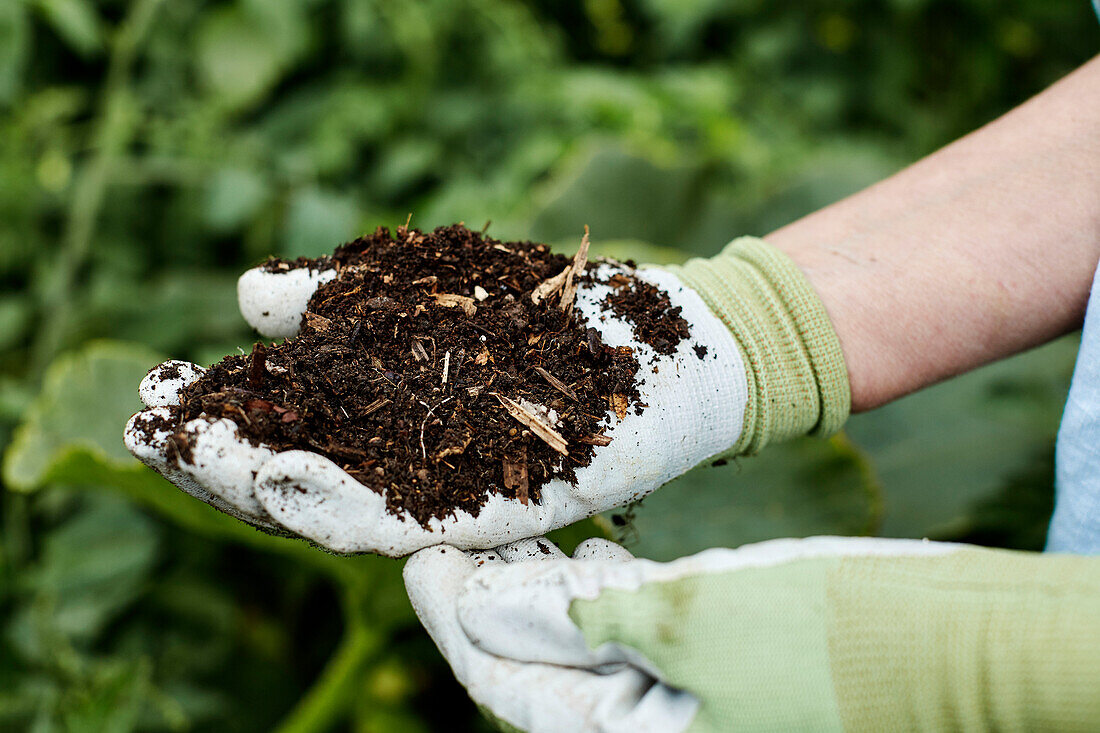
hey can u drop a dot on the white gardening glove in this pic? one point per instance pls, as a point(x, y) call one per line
point(821, 634)
point(535, 696)
point(695, 410)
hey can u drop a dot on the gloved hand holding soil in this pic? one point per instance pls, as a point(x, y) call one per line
point(446, 387)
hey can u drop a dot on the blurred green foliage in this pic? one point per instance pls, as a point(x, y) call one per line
point(152, 149)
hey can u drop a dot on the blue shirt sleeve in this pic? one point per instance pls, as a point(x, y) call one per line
point(1075, 526)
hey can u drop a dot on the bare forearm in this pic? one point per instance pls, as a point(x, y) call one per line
point(981, 250)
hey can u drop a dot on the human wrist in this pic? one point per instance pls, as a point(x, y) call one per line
point(795, 370)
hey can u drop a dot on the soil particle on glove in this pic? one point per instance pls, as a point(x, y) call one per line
point(177, 445)
point(648, 309)
point(277, 265)
point(426, 371)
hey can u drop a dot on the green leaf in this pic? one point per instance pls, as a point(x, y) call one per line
point(77, 466)
point(243, 50)
point(14, 45)
point(233, 196)
point(15, 397)
point(72, 436)
point(626, 249)
point(178, 312)
point(942, 452)
point(680, 21)
point(112, 700)
point(1016, 517)
point(621, 196)
point(235, 60)
point(827, 176)
point(567, 538)
point(405, 162)
point(15, 316)
point(94, 565)
point(316, 221)
point(76, 22)
point(796, 489)
point(87, 397)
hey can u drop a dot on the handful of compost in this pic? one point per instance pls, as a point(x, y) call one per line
point(446, 387)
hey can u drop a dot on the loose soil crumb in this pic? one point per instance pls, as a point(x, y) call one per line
point(427, 373)
point(276, 264)
point(647, 308)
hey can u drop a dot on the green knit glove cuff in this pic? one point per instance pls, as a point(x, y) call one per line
point(797, 380)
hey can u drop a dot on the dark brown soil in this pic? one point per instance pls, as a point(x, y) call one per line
point(279, 265)
point(419, 369)
point(647, 308)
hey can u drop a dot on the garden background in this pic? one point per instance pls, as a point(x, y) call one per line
point(150, 150)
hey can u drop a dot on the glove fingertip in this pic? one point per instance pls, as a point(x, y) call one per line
point(273, 302)
point(597, 548)
point(162, 385)
point(435, 572)
point(532, 548)
point(145, 434)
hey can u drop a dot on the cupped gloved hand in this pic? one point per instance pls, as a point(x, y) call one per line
point(822, 634)
point(761, 364)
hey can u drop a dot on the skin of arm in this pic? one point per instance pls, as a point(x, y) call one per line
point(981, 250)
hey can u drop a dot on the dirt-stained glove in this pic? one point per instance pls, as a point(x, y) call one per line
point(518, 694)
point(822, 634)
point(773, 369)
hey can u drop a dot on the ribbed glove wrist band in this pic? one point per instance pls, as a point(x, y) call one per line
point(797, 380)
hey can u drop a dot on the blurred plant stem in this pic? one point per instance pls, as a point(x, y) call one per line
point(331, 696)
point(869, 483)
point(16, 537)
point(114, 128)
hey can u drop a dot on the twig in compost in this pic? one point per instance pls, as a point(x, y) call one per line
point(319, 323)
point(458, 365)
point(450, 300)
point(557, 384)
point(619, 404)
point(550, 286)
point(569, 290)
point(242, 413)
point(515, 475)
point(375, 406)
point(424, 424)
point(538, 426)
point(256, 367)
